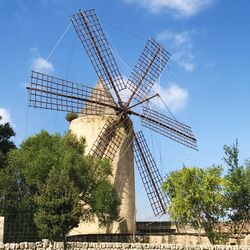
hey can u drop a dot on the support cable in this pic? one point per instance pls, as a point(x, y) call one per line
point(70, 58)
point(26, 122)
point(67, 69)
point(124, 31)
point(58, 42)
point(165, 105)
point(126, 67)
point(115, 53)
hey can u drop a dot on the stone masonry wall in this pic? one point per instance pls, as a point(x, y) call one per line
point(113, 246)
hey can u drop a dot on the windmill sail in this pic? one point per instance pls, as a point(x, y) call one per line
point(92, 37)
point(108, 140)
point(100, 109)
point(147, 70)
point(49, 92)
point(168, 127)
point(150, 175)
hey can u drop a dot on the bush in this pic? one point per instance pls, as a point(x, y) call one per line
point(71, 116)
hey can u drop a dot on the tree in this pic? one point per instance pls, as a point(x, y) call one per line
point(6, 132)
point(59, 208)
point(238, 190)
point(10, 183)
point(16, 202)
point(104, 202)
point(196, 198)
point(42, 153)
point(248, 175)
point(8, 192)
point(37, 156)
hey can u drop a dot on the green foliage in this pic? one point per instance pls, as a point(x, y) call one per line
point(14, 194)
point(26, 183)
point(40, 153)
point(104, 202)
point(248, 175)
point(6, 132)
point(71, 116)
point(196, 198)
point(231, 156)
point(59, 208)
point(8, 192)
point(16, 203)
point(238, 189)
point(203, 198)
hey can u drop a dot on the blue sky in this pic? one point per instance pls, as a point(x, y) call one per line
point(206, 83)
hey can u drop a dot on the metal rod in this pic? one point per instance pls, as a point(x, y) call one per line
point(100, 56)
point(146, 99)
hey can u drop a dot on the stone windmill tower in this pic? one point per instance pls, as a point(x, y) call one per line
point(105, 119)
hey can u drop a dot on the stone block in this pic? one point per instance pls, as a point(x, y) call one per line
point(126, 246)
point(32, 245)
point(1, 228)
point(109, 245)
point(138, 245)
point(12, 246)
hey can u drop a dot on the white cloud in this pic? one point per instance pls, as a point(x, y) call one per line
point(188, 66)
point(39, 63)
point(42, 65)
point(182, 43)
point(209, 64)
point(34, 50)
point(22, 6)
point(18, 16)
point(125, 94)
point(182, 38)
point(180, 8)
point(61, 2)
point(5, 116)
point(174, 96)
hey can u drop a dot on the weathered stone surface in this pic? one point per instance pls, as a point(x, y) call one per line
point(89, 127)
point(1, 228)
point(115, 246)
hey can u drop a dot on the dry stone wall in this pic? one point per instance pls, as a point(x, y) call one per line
point(113, 246)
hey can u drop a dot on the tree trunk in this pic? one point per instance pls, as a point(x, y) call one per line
point(64, 241)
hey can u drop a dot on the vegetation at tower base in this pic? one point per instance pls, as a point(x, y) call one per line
point(71, 116)
point(238, 190)
point(8, 188)
point(196, 198)
point(59, 208)
point(48, 165)
point(205, 198)
point(14, 195)
point(29, 173)
point(102, 195)
point(6, 132)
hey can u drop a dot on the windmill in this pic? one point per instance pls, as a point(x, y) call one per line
point(114, 134)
